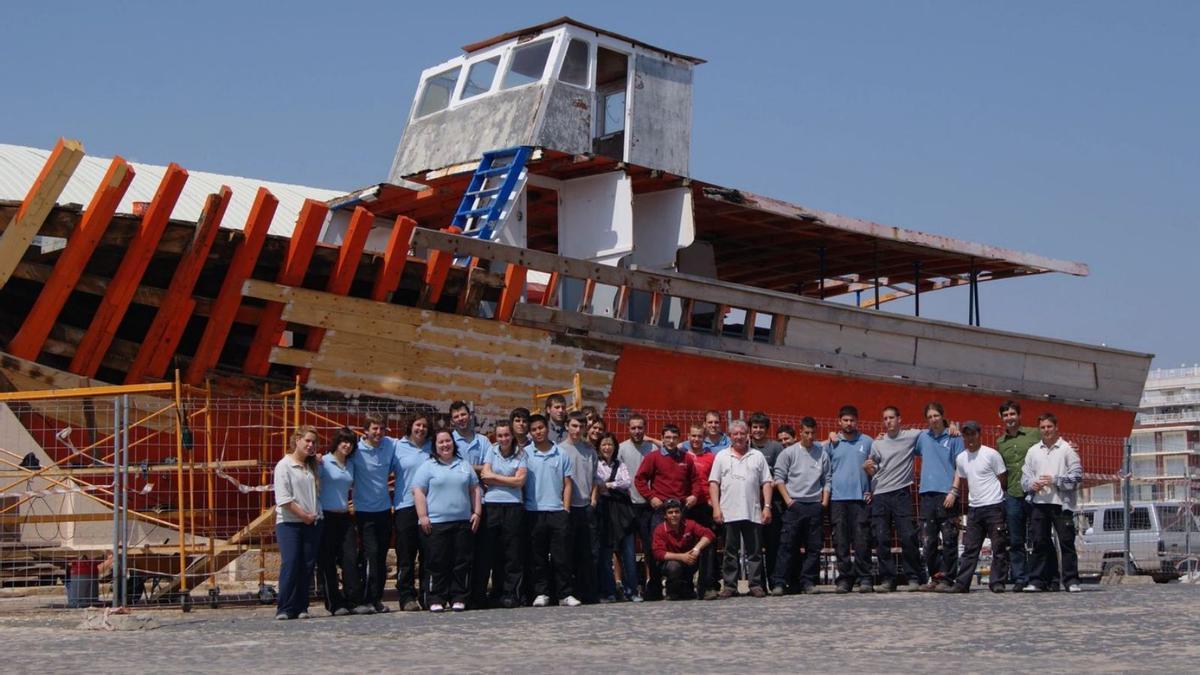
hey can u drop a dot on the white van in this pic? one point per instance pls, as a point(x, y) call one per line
point(1158, 534)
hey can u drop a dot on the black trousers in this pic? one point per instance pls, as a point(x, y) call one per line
point(1042, 572)
point(585, 549)
point(939, 535)
point(448, 551)
point(376, 530)
point(851, 526)
point(679, 577)
point(408, 544)
point(985, 522)
point(549, 534)
point(894, 509)
point(339, 548)
point(503, 538)
point(743, 537)
point(800, 527)
point(707, 568)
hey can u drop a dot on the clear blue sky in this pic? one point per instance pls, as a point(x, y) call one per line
point(1070, 129)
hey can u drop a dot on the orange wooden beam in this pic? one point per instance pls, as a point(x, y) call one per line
point(393, 259)
point(349, 257)
point(436, 272)
point(514, 285)
point(229, 299)
point(27, 344)
point(115, 303)
point(299, 254)
point(177, 304)
point(38, 202)
point(551, 289)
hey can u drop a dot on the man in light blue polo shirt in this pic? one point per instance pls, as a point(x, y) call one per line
point(850, 493)
point(547, 500)
point(471, 446)
point(585, 544)
point(374, 462)
point(939, 534)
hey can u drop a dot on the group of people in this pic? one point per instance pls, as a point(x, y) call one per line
point(552, 509)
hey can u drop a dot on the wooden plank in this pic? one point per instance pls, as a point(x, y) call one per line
point(656, 305)
point(348, 323)
point(779, 325)
point(300, 251)
point(718, 322)
point(172, 317)
point(349, 256)
point(225, 308)
point(38, 202)
point(436, 273)
point(585, 299)
point(514, 286)
point(761, 300)
point(107, 319)
point(479, 280)
point(28, 341)
point(748, 324)
point(394, 257)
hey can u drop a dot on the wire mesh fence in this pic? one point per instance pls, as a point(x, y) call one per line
point(169, 492)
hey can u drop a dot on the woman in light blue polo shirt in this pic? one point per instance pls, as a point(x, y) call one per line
point(411, 452)
point(504, 516)
point(339, 537)
point(448, 503)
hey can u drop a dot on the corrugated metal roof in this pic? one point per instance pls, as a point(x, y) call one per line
point(20, 165)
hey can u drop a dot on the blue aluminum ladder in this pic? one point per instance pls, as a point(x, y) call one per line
point(485, 205)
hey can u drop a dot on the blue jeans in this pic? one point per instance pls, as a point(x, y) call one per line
point(1017, 512)
point(298, 547)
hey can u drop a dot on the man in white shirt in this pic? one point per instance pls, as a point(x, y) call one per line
point(739, 487)
point(983, 470)
point(1052, 473)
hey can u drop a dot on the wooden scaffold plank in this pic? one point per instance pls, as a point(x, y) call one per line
point(28, 342)
point(229, 298)
point(42, 196)
point(177, 305)
point(90, 352)
point(299, 254)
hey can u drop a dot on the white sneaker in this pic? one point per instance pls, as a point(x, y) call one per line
point(303, 615)
point(436, 608)
point(282, 616)
point(458, 607)
point(1074, 588)
point(1032, 589)
point(571, 601)
point(541, 601)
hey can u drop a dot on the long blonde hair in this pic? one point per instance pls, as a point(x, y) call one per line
point(311, 460)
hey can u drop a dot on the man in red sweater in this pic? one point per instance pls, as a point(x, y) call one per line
point(668, 473)
point(679, 547)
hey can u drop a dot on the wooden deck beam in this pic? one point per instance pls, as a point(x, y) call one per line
point(177, 305)
point(129, 275)
point(229, 299)
point(42, 196)
point(83, 241)
point(436, 273)
point(514, 286)
point(300, 250)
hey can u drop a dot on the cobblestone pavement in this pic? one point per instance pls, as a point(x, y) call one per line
point(1109, 628)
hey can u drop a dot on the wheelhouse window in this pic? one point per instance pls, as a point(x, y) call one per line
point(613, 107)
point(528, 64)
point(480, 77)
point(575, 64)
point(438, 90)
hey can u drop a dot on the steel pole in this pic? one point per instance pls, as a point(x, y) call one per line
point(1127, 490)
point(116, 543)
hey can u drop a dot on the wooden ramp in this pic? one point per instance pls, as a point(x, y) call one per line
point(206, 564)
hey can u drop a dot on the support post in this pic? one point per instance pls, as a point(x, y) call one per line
point(917, 288)
point(103, 328)
point(299, 254)
point(436, 271)
point(38, 202)
point(821, 263)
point(514, 286)
point(1127, 497)
point(177, 305)
point(229, 298)
point(28, 342)
point(394, 258)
